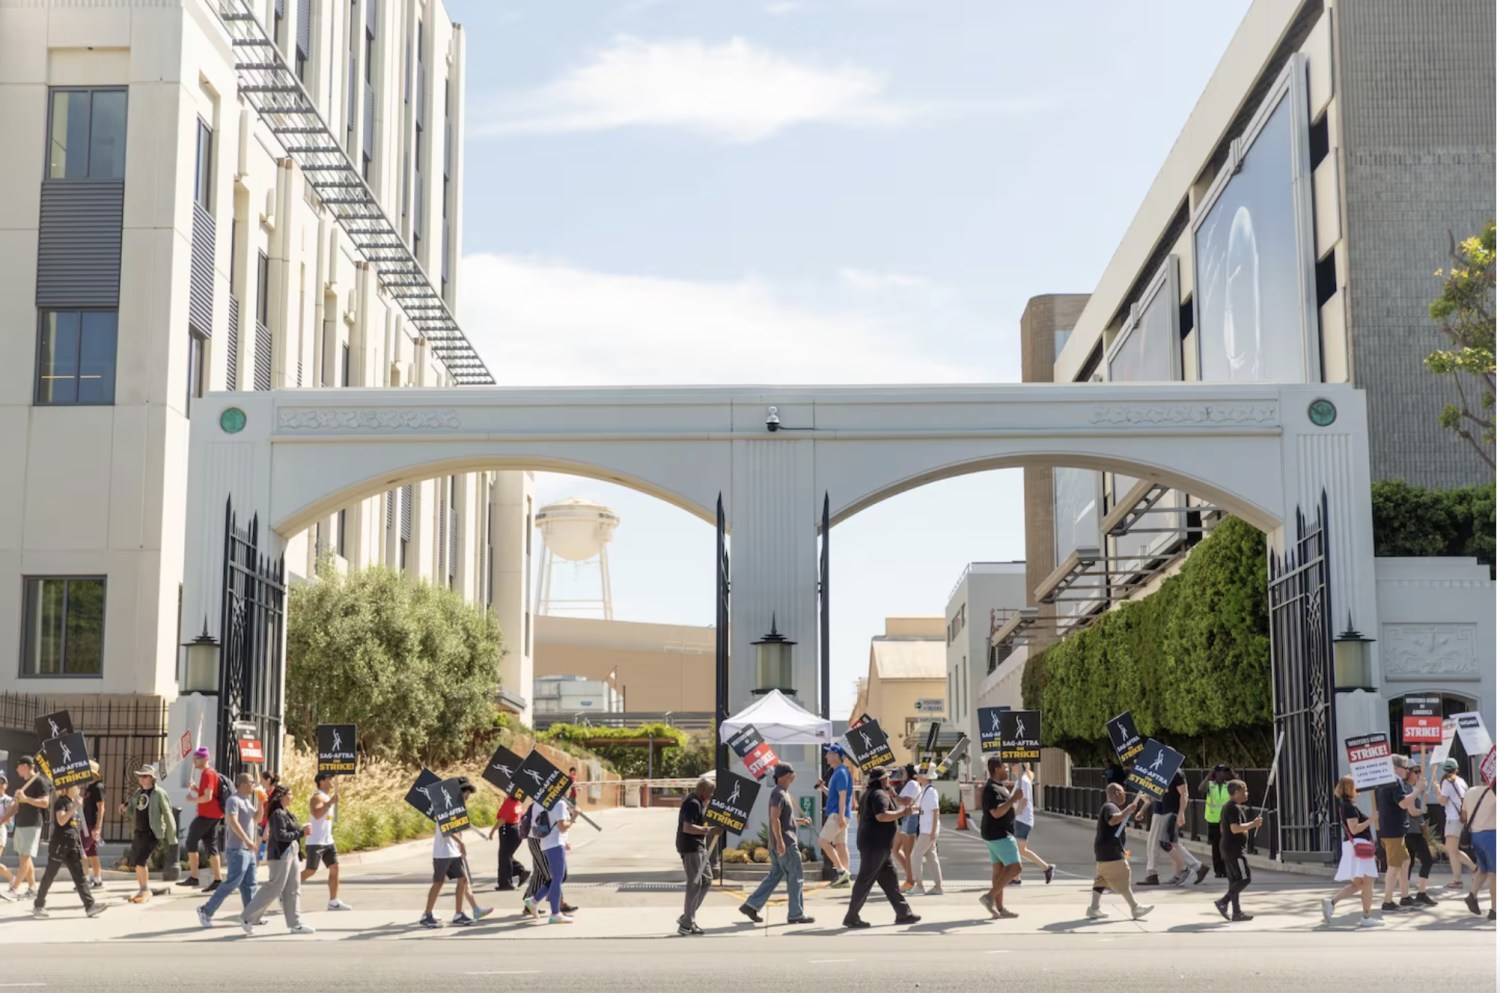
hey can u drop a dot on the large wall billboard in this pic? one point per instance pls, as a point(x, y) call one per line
point(1252, 254)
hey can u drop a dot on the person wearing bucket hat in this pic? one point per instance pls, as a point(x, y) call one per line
point(154, 826)
point(924, 855)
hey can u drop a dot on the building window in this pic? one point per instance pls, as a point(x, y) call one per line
point(196, 381)
point(262, 289)
point(344, 364)
point(343, 527)
point(86, 135)
point(203, 168)
point(63, 627)
point(75, 360)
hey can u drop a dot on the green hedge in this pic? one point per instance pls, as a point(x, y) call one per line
point(1415, 520)
point(1191, 661)
point(686, 757)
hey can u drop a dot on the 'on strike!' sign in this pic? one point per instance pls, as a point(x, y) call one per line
point(1370, 760)
point(752, 749)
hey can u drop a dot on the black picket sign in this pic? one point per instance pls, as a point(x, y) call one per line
point(417, 795)
point(57, 724)
point(1154, 768)
point(540, 780)
point(502, 769)
point(991, 728)
point(336, 754)
point(733, 799)
point(1125, 738)
point(1022, 738)
point(67, 760)
point(870, 746)
point(449, 809)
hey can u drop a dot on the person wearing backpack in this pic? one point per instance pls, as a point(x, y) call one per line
point(1451, 790)
point(1479, 814)
point(549, 830)
point(210, 793)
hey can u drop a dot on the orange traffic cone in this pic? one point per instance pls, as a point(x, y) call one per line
point(963, 816)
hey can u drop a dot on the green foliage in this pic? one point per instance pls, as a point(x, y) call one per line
point(1465, 313)
point(414, 665)
point(1191, 660)
point(1415, 520)
point(687, 756)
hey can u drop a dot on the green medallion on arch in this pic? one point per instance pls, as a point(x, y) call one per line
point(1322, 412)
point(232, 420)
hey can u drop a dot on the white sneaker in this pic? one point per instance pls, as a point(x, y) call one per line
point(248, 927)
point(1140, 911)
point(1327, 911)
point(204, 919)
point(935, 892)
point(1371, 922)
point(9, 894)
point(1097, 913)
point(338, 905)
point(559, 919)
point(302, 929)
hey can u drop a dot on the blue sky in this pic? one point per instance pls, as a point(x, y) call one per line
point(836, 191)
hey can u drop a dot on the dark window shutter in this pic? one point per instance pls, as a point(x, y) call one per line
point(78, 244)
point(232, 364)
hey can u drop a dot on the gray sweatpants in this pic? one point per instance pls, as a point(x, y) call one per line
point(285, 882)
point(699, 879)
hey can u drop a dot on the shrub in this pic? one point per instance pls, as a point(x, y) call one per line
point(762, 855)
point(1416, 520)
point(735, 856)
point(1190, 660)
point(414, 665)
point(686, 757)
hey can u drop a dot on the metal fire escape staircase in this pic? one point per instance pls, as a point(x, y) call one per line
point(276, 93)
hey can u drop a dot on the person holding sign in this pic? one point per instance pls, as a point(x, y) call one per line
point(154, 827)
point(691, 832)
point(321, 849)
point(1357, 864)
point(1479, 818)
point(1232, 842)
point(448, 854)
point(283, 834)
point(208, 826)
point(998, 829)
point(1452, 791)
point(1111, 867)
point(65, 848)
point(550, 830)
point(1026, 823)
point(878, 814)
point(834, 837)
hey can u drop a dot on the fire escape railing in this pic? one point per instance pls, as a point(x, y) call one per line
point(276, 93)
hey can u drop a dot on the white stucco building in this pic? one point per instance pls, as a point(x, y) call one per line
point(985, 597)
point(185, 210)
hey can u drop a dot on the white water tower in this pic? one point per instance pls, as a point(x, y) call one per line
point(575, 530)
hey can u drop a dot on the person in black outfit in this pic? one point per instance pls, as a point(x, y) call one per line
point(1413, 786)
point(691, 833)
point(878, 814)
point(1234, 830)
point(66, 849)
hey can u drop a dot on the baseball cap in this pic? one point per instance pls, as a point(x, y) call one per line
point(781, 770)
point(1450, 765)
point(836, 748)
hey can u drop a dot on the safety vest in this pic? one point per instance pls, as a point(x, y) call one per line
point(1218, 795)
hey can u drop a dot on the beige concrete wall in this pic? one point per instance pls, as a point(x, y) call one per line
point(892, 701)
point(661, 666)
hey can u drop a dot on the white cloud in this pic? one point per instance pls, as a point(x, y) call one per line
point(734, 92)
point(537, 322)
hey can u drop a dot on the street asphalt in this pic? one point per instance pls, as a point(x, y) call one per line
point(625, 882)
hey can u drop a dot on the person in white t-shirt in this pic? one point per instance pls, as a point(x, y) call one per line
point(1451, 790)
point(1025, 821)
point(448, 855)
point(550, 828)
point(924, 856)
point(321, 850)
point(907, 828)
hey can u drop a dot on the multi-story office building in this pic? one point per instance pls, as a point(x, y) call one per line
point(220, 195)
point(1290, 236)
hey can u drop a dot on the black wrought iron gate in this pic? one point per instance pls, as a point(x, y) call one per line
point(721, 639)
point(251, 664)
point(1302, 690)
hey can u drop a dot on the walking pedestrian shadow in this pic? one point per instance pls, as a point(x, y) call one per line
point(1066, 926)
point(1201, 926)
point(938, 927)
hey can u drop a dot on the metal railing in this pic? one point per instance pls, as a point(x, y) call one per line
point(686, 720)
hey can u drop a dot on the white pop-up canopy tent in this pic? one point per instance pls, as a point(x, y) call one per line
point(780, 721)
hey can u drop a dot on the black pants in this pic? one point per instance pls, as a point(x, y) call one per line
point(875, 866)
point(510, 843)
point(1213, 846)
point(1416, 845)
point(1238, 870)
point(57, 857)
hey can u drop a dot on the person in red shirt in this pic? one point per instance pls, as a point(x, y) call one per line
point(507, 824)
point(207, 828)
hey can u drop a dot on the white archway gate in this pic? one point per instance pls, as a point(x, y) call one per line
point(1251, 449)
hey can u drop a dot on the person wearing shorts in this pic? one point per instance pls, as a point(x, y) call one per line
point(206, 831)
point(93, 826)
point(1479, 814)
point(908, 827)
point(7, 812)
point(321, 850)
point(448, 855)
point(833, 839)
point(154, 826)
point(32, 800)
point(1394, 819)
point(998, 829)
point(1026, 820)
